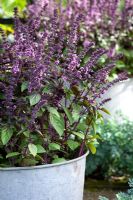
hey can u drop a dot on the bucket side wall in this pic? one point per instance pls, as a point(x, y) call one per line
point(62, 182)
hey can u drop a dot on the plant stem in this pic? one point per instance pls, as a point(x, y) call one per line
point(83, 143)
point(76, 123)
point(65, 120)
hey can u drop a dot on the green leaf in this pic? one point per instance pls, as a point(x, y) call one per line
point(46, 89)
point(75, 112)
point(54, 111)
point(72, 144)
point(82, 126)
point(34, 99)
point(12, 154)
point(32, 149)
point(24, 86)
point(99, 115)
point(6, 28)
point(39, 158)
point(122, 5)
point(40, 149)
point(89, 120)
point(94, 137)
point(41, 112)
point(58, 160)
point(9, 5)
point(63, 2)
point(105, 110)
point(92, 148)
point(97, 136)
point(54, 146)
point(86, 59)
point(6, 135)
point(58, 123)
point(29, 162)
point(80, 135)
point(94, 127)
point(69, 115)
point(1, 96)
point(86, 103)
point(26, 133)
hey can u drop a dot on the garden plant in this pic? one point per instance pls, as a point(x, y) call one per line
point(114, 154)
point(54, 74)
point(49, 92)
point(123, 196)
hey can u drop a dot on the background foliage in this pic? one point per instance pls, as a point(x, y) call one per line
point(122, 195)
point(7, 7)
point(120, 39)
point(114, 154)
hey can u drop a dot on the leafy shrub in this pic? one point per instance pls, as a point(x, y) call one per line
point(48, 94)
point(114, 154)
point(122, 195)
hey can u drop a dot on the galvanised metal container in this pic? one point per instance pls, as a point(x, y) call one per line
point(63, 181)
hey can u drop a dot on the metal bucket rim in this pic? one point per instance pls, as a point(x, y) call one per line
point(45, 166)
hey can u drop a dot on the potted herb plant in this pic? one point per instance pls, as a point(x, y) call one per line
point(48, 94)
